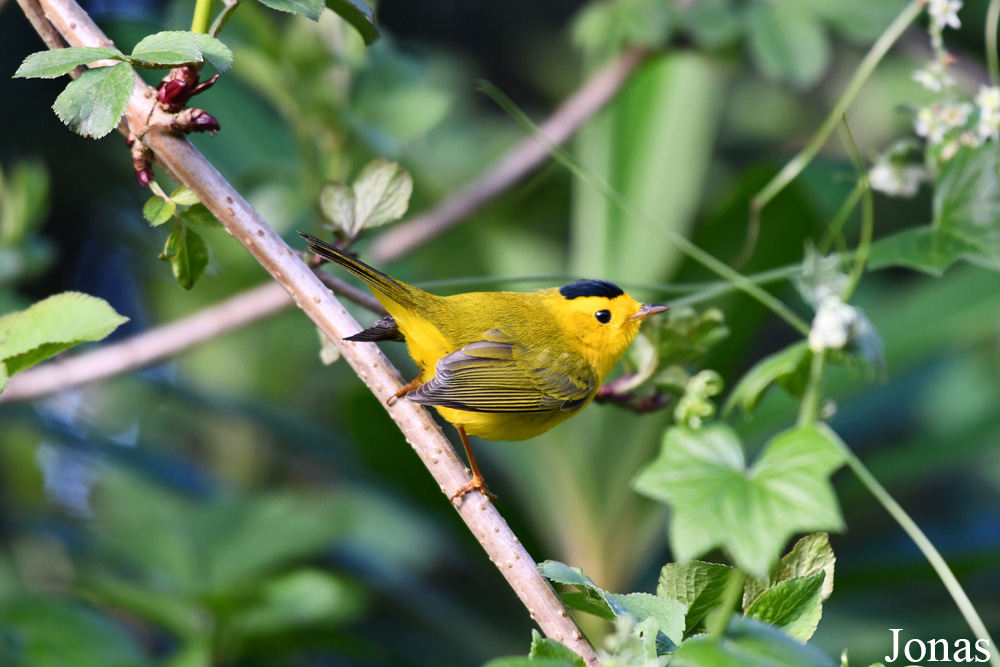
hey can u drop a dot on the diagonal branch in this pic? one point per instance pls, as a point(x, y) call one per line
point(322, 307)
point(512, 167)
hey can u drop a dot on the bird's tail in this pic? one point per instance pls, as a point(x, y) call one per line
point(379, 283)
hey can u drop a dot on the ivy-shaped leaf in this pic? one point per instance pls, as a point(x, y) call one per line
point(51, 326)
point(93, 104)
point(187, 253)
point(751, 511)
point(359, 15)
point(55, 63)
point(309, 8)
point(966, 218)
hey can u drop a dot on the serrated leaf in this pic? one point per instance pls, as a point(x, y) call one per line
point(336, 202)
point(382, 194)
point(215, 53)
point(697, 585)
point(561, 573)
point(183, 196)
point(4, 376)
point(187, 253)
point(668, 614)
point(168, 49)
point(793, 605)
point(751, 387)
point(92, 104)
point(718, 501)
point(543, 648)
point(309, 8)
point(749, 643)
point(53, 325)
point(199, 214)
point(788, 42)
point(359, 15)
point(811, 555)
point(54, 63)
point(158, 210)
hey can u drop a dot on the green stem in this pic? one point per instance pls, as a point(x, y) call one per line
point(734, 590)
point(202, 16)
point(992, 19)
point(867, 214)
point(865, 69)
point(683, 244)
point(840, 219)
point(809, 411)
point(934, 557)
point(223, 16)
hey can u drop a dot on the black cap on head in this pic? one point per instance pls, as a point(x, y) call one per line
point(590, 288)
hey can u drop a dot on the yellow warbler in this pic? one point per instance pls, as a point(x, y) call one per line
point(501, 365)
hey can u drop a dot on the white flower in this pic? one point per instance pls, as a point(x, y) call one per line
point(831, 328)
point(988, 127)
point(955, 115)
point(944, 13)
point(928, 79)
point(896, 179)
point(928, 124)
point(988, 99)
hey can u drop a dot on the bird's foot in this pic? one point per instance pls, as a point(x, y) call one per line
point(477, 483)
point(404, 390)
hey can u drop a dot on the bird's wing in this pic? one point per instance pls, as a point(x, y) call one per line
point(498, 375)
point(385, 329)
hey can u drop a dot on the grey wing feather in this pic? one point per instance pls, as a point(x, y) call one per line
point(496, 375)
point(385, 329)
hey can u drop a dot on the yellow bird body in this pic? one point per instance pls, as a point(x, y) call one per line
point(503, 365)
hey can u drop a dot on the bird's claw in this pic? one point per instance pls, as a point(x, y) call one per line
point(477, 483)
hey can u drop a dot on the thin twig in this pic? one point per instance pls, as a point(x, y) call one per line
point(284, 264)
point(515, 164)
point(503, 174)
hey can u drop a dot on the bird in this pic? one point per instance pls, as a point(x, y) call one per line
point(500, 365)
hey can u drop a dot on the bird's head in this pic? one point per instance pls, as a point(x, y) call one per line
point(600, 319)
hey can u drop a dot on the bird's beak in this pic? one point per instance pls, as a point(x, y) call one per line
point(646, 311)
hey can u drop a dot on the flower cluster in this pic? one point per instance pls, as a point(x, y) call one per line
point(947, 124)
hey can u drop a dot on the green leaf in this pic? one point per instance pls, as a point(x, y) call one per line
point(187, 253)
point(382, 194)
point(749, 643)
point(199, 214)
point(53, 325)
point(296, 599)
point(718, 502)
point(602, 28)
point(561, 573)
point(751, 387)
point(810, 555)
point(24, 201)
point(215, 53)
point(668, 614)
point(714, 24)
point(49, 632)
point(50, 64)
point(359, 15)
point(793, 604)
point(697, 585)
point(310, 8)
point(168, 49)
point(336, 202)
point(4, 377)
point(183, 196)
point(93, 104)
point(966, 218)
point(787, 41)
point(550, 649)
point(684, 336)
point(158, 210)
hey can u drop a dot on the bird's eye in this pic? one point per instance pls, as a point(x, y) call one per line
point(603, 316)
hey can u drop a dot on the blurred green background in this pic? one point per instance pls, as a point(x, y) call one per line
point(243, 504)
